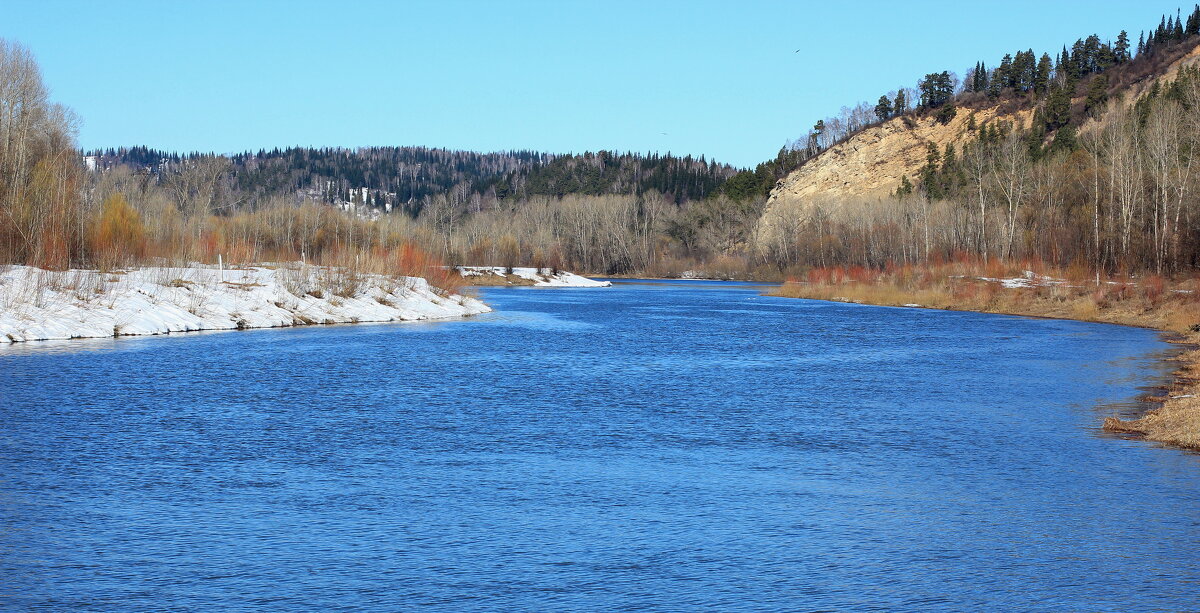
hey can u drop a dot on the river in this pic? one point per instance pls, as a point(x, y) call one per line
point(655, 445)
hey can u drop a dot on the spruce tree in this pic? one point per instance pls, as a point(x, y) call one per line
point(1041, 78)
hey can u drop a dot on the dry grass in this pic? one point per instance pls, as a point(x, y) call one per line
point(1177, 420)
point(491, 280)
point(1145, 302)
point(1148, 302)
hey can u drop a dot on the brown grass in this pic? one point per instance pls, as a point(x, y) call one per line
point(1177, 420)
point(490, 280)
point(1150, 302)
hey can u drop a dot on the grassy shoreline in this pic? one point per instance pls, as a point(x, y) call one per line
point(1173, 311)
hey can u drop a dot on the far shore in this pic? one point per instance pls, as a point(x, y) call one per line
point(1176, 419)
point(507, 276)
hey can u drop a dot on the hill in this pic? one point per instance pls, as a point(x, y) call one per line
point(874, 162)
point(407, 179)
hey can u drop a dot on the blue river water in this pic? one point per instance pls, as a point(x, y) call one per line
point(651, 446)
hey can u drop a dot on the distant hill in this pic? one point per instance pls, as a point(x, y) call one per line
point(404, 179)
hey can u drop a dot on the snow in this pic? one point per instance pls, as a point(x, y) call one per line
point(1030, 279)
point(541, 277)
point(37, 304)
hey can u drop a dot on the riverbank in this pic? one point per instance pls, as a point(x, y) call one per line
point(500, 276)
point(38, 304)
point(1147, 303)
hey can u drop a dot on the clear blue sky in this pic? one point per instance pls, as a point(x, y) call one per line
point(719, 78)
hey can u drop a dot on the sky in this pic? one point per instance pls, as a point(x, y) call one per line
point(731, 80)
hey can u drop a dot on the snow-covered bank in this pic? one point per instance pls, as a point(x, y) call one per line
point(37, 304)
point(539, 277)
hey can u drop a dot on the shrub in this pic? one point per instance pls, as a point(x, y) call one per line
point(120, 237)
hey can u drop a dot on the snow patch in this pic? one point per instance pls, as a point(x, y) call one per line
point(1029, 279)
point(38, 304)
point(541, 277)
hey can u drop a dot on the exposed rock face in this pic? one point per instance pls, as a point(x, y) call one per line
point(869, 165)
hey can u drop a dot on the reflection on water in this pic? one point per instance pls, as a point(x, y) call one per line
point(664, 445)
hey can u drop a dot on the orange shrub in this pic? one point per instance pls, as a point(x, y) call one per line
point(120, 237)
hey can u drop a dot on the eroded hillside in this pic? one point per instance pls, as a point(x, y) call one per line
point(871, 164)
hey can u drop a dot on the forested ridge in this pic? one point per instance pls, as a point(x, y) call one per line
point(405, 179)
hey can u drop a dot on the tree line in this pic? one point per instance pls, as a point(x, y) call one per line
point(405, 179)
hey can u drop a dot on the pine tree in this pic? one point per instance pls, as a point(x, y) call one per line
point(951, 172)
point(883, 110)
point(1063, 68)
point(946, 114)
point(1091, 55)
point(1079, 60)
point(995, 84)
point(1024, 66)
point(929, 173)
point(1121, 50)
point(936, 89)
point(1058, 107)
point(1097, 93)
point(1005, 71)
point(901, 103)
